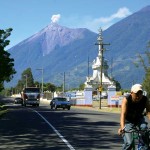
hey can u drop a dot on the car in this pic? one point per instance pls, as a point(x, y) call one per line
point(60, 102)
point(18, 100)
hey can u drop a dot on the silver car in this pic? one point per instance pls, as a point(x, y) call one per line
point(60, 102)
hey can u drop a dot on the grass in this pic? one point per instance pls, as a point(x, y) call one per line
point(2, 112)
point(109, 109)
point(3, 109)
point(103, 109)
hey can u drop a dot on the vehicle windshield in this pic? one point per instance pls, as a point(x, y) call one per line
point(61, 99)
point(32, 90)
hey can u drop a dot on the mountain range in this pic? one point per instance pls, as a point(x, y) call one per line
point(58, 49)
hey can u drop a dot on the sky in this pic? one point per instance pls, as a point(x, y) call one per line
point(28, 17)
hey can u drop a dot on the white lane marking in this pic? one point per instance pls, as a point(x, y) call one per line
point(62, 138)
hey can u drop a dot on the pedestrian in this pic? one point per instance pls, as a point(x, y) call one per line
point(132, 110)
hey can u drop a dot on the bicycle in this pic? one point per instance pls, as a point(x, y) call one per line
point(137, 135)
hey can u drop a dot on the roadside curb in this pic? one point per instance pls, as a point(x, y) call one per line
point(103, 109)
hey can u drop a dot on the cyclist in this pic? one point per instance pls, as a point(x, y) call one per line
point(132, 109)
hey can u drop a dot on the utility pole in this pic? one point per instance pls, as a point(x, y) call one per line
point(101, 51)
point(64, 80)
point(88, 67)
point(41, 69)
point(111, 68)
point(26, 80)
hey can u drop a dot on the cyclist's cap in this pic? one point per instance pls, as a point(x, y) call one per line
point(136, 87)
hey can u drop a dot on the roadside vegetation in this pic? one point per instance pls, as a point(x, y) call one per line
point(28, 80)
point(146, 65)
point(6, 65)
point(3, 109)
point(6, 62)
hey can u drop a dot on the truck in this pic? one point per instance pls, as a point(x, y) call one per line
point(30, 96)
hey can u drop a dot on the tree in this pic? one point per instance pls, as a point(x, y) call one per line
point(146, 65)
point(50, 87)
point(146, 82)
point(6, 92)
point(118, 86)
point(19, 86)
point(37, 84)
point(81, 86)
point(26, 80)
point(6, 63)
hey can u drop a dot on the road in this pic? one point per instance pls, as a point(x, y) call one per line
point(39, 128)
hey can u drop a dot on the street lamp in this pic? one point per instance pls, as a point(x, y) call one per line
point(41, 69)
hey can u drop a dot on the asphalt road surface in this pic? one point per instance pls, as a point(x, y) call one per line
point(40, 128)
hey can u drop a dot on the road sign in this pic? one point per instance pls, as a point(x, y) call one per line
point(100, 89)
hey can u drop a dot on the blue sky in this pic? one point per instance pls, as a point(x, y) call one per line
point(28, 17)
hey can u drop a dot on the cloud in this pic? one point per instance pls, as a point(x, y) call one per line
point(55, 18)
point(122, 13)
point(105, 22)
point(94, 24)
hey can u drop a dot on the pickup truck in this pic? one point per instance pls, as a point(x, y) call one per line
point(30, 96)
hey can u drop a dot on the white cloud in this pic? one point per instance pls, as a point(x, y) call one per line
point(122, 13)
point(105, 22)
point(55, 18)
point(94, 24)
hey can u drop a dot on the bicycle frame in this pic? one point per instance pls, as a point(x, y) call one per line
point(136, 135)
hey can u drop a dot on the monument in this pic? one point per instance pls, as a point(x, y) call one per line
point(99, 81)
point(95, 79)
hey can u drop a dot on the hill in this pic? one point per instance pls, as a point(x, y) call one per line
point(56, 49)
point(59, 49)
point(128, 38)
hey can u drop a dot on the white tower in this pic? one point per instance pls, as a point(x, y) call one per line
point(95, 80)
